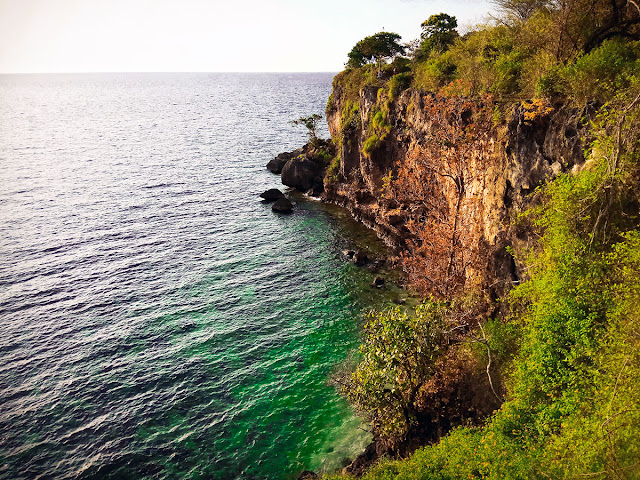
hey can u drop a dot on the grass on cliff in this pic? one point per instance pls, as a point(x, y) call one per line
point(572, 403)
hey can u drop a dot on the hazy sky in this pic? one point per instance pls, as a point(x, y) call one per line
point(204, 35)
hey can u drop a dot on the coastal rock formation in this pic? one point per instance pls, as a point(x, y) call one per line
point(277, 164)
point(271, 195)
point(302, 173)
point(282, 205)
point(518, 150)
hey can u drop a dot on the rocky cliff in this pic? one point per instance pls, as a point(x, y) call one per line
point(482, 159)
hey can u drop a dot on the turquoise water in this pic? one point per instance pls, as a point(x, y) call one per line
point(158, 320)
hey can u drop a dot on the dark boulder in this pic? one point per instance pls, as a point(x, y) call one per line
point(302, 173)
point(271, 195)
point(362, 462)
point(282, 205)
point(360, 258)
point(277, 164)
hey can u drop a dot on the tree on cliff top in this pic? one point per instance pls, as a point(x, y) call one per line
point(311, 122)
point(440, 30)
point(375, 48)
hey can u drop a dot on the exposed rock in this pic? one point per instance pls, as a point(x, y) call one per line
point(395, 219)
point(362, 462)
point(349, 254)
point(531, 146)
point(271, 195)
point(302, 173)
point(277, 164)
point(282, 205)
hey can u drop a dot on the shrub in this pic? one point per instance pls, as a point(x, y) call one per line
point(398, 355)
point(331, 175)
point(437, 71)
point(398, 83)
point(599, 74)
point(371, 144)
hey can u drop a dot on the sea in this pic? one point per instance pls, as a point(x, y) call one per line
point(157, 320)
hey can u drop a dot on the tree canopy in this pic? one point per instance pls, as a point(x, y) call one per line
point(438, 33)
point(375, 48)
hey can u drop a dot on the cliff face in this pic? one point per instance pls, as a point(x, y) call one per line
point(486, 178)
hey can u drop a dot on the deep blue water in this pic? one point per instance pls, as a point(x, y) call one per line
point(158, 320)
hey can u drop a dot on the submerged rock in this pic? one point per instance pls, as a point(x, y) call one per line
point(360, 258)
point(272, 194)
point(349, 254)
point(282, 205)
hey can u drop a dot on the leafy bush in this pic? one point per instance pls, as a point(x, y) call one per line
point(604, 71)
point(398, 355)
point(371, 144)
point(437, 71)
point(398, 83)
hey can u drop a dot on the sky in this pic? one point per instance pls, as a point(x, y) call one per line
point(205, 35)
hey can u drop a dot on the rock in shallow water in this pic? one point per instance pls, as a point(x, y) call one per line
point(282, 205)
point(302, 173)
point(360, 258)
point(272, 194)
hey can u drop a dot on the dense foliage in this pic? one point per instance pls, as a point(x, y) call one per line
point(378, 47)
point(398, 357)
point(572, 407)
point(562, 354)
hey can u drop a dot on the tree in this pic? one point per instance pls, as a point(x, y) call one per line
point(580, 25)
point(311, 122)
point(523, 9)
point(399, 354)
point(438, 33)
point(375, 48)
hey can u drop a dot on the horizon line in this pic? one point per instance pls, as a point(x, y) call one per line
point(165, 72)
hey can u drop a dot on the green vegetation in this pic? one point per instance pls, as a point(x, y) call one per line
point(570, 348)
point(408, 344)
point(311, 123)
point(376, 48)
point(562, 356)
point(438, 34)
point(576, 50)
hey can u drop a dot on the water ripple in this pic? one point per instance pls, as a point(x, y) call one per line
point(158, 320)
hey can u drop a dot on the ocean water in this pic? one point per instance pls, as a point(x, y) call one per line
point(157, 319)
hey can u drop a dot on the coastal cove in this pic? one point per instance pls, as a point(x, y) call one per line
point(160, 321)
